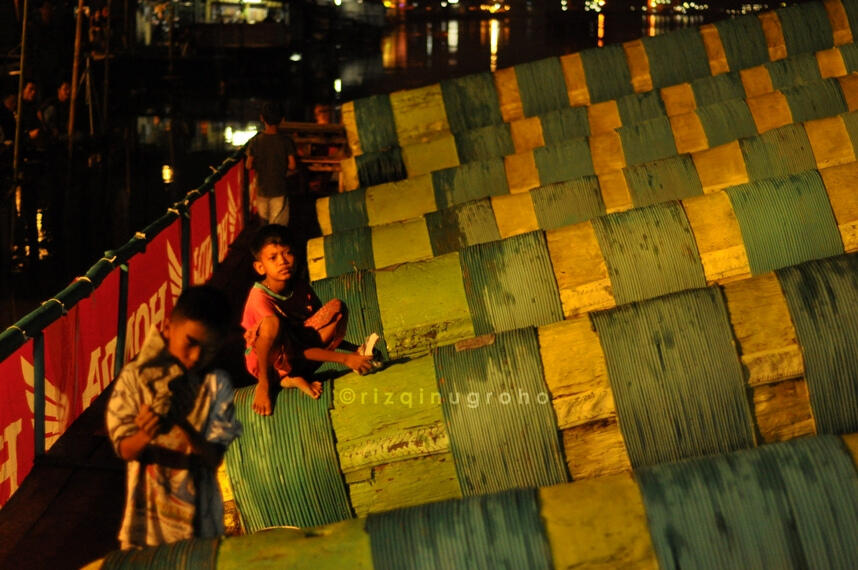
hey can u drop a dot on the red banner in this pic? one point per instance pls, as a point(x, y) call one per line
point(62, 404)
point(154, 284)
point(201, 241)
point(230, 218)
point(16, 420)
point(96, 349)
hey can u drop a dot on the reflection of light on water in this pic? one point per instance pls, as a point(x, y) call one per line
point(338, 85)
point(651, 22)
point(494, 33)
point(601, 30)
point(42, 234)
point(429, 39)
point(388, 53)
point(237, 137)
point(18, 200)
point(453, 36)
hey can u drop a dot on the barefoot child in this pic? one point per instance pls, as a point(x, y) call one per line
point(289, 332)
point(171, 424)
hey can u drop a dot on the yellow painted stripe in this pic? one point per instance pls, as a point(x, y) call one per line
point(616, 194)
point(521, 172)
point(400, 242)
point(349, 174)
point(678, 99)
point(606, 150)
point(576, 79)
point(770, 111)
point(720, 167)
point(688, 133)
point(419, 114)
point(839, 22)
point(849, 87)
point(638, 66)
point(597, 524)
point(580, 269)
point(851, 441)
point(756, 81)
point(766, 338)
point(830, 142)
point(830, 62)
point(509, 99)
point(514, 214)
point(719, 239)
point(576, 372)
point(774, 34)
point(714, 49)
point(526, 134)
point(840, 183)
point(350, 124)
point(316, 263)
point(604, 117)
point(323, 215)
point(437, 154)
point(402, 200)
point(595, 450)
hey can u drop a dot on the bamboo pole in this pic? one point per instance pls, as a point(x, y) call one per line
point(75, 76)
point(16, 155)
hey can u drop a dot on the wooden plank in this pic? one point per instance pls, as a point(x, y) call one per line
point(830, 62)
point(401, 242)
point(721, 166)
point(514, 214)
point(401, 200)
point(595, 450)
point(521, 172)
point(770, 111)
point(606, 150)
point(851, 442)
point(316, 264)
point(509, 99)
point(679, 99)
point(576, 79)
point(840, 182)
point(419, 114)
point(425, 156)
point(719, 239)
point(783, 411)
point(349, 175)
point(774, 33)
point(616, 193)
point(849, 87)
point(763, 328)
point(688, 133)
point(638, 65)
point(604, 117)
point(756, 81)
point(839, 22)
point(350, 124)
point(526, 134)
point(714, 49)
point(598, 524)
point(580, 269)
point(830, 141)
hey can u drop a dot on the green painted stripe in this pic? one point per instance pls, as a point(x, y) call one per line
point(822, 99)
point(498, 531)
point(503, 433)
point(647, 141)
point(606, 86)
point(787, 505)
point(348, 210)
point(357, 290)
point(823, 300)
point(471, 102)
point(709, 90)
point(806, 28)
point(542, 86)
point(676, 57)
point(849, 52)
point(851, 7)
point(851, 122)
point(467, 224)
point(374, 119)
point(663, 180)
point(510, 284)
point(676, 377)
point(785, 221)
point(380, 167)
point(639, 107)
point(563, 161)
point(348, 251)
point(484, 143)
point(564, 124)
point(726, 121)
point(284, 468)
point(779, 152)
point(186, 554)
point(469, 182)
point(649, 252)
point(792, 71)
point(744, 41)
point(566, 203)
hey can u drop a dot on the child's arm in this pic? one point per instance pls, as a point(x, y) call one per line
point(269, 328)
point(356, 362)
point(148, 424)
point(210, 453)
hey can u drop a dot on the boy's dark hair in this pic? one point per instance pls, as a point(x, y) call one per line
point(272, 113)
point(272, 233)
point(204, 304)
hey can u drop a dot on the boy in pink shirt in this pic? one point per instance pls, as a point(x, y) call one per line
point(286, 326)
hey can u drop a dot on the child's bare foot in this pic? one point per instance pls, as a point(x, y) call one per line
point(313, 390)
point(261, 401)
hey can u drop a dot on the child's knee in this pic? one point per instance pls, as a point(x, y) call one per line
point(338, 309)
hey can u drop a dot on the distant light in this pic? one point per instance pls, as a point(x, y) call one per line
point(167, 174)
point(338, 2)
point(443, 4)
point(338, 85)
point(238, 137)
point(453, 1)
point(295, 57)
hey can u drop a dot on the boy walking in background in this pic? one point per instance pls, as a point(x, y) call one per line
point(172, 424)
point(272, 155)
point(288, 331)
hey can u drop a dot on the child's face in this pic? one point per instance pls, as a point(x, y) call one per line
point(275, 262)
point(191, 342)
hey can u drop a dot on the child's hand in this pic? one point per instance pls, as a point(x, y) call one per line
point(261, 401)
point(148, 421)
point(359, 363)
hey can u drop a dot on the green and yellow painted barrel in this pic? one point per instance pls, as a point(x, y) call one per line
point(769, 88)
point(698, 372)
point(425, 116)
point(787, 505)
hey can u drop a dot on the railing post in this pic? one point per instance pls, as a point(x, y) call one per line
point(214, 228)
point(122, 320)
point(39, 392)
